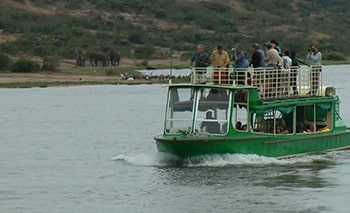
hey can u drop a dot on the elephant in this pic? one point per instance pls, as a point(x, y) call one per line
point(80, 58)
point(96, 57)
point(113, 56)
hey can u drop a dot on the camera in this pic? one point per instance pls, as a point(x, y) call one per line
point(233, 49)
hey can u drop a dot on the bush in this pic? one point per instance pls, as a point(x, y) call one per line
point(5, 62)
point(160, 14)
point(136, 37)
point(144, 51)
point(51, 64)
point(334, 56)
point(25, 66)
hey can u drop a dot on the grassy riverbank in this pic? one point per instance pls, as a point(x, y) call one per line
point(69, 76)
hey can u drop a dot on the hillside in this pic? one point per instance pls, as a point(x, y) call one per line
point(148, 29)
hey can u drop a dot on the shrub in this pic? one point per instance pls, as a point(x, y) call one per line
point(25, 66)
point(51, 63)
point(334, 56)
point(136, 37)
point(5, 62)
point(144, 51)
point(160, 14)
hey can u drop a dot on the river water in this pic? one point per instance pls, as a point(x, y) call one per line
point(91, 149)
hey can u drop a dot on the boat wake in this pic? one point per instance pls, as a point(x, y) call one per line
point(225, 160)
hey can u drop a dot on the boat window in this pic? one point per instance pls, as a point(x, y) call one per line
point(179, 110)
point(213, 111)
point(273, 121)
point(314, 118)
point(240, 115)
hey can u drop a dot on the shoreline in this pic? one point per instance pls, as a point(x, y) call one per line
point(84, 76)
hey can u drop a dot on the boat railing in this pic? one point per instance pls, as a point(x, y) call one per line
point(270, 82)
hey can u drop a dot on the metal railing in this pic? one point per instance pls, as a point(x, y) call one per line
point(271, 82)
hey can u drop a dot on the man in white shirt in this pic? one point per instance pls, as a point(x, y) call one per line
point(314, 56)
point(272, 57)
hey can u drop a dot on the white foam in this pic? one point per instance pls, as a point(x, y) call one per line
point(162, 160)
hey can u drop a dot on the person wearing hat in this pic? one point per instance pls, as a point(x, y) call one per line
point(274, 45)
point(272, 57)
point(241, 62)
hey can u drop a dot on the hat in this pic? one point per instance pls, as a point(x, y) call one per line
point(267, 44)
point(274, 41)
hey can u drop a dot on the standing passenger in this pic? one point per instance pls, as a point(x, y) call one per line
point(315, 57)
point(258, 56)
point(242, 64)
point(275, 45)
point(294, 72)
point(220, 60)
point(200, 59)
point(272, 57)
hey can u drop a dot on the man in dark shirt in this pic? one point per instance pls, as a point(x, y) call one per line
point(200, 60)
point(258, 56)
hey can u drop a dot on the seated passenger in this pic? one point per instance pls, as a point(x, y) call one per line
point(281, 127)
point(238, 125)
point(309, 128)
point(323, 129)
point(224, 128)
point(300, 127)
point(210, 126)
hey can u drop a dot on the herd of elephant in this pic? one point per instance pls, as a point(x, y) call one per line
point(108, 57)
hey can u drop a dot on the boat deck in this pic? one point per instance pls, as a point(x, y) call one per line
point(271, 83)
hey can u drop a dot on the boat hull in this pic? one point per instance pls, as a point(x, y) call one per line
point(274, 146)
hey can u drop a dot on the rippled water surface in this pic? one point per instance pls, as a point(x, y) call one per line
point(91, 149)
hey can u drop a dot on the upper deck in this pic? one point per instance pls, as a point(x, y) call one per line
point(271, 83)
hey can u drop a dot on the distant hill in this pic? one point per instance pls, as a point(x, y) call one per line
point(148, 29)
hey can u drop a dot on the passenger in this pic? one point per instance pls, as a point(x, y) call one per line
point(287, 61)
point(224, 128)
point(220, 60)
point(273, 59)
point(323, 129)
point(241, 62)
point(315, 57)
point(258, 56)
point(281, 127)
point(240, 58)
point(294, 72)
point(285, 81)
point(211, 127)
point(309, 128)
point(274, 45)
point(300, 127)
point(200, 60)
point(238, 125)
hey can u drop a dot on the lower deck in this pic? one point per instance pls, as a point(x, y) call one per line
point(281, 147)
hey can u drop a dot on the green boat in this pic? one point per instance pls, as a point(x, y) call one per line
point(269, 112)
